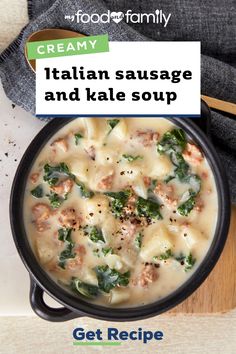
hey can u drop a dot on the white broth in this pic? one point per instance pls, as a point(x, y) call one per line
point(120, 211)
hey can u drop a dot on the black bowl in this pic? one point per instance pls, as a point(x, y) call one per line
point(75, 307)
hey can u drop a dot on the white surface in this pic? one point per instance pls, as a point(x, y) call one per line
point(17, 128)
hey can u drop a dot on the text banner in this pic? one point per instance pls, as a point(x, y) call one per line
point(133, 78)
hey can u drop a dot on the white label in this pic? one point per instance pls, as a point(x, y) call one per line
point(159, 78)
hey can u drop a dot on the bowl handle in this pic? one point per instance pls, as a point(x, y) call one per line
point(44, 311)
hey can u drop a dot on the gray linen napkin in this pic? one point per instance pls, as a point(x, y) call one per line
point(213, 23)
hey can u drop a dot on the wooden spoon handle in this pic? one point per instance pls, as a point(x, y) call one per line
point(48, 34)
point(223, 106)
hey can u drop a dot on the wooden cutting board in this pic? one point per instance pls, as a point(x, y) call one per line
point(218, 292)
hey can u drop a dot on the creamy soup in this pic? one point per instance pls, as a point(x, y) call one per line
point(120, 211)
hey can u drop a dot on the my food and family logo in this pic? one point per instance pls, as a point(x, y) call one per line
point(157, 17)
point(113, 336)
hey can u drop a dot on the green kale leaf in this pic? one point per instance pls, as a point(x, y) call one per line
point(87, 290)
point(67, 253)
point(185, 208)
point(131, 158)
point(182, 168)
point(78, 136)
point(56, 200)
point(189, 262)
point(37, 192)
point(174, 140)
point(95, 234)
point(148, 208)
point(64, 234)
point(138, 240)
point(109, 278)
point(112, 123)
point(119, 200)
point(52, 174)
point(85, 192)
point(107, 251)
point(164, 256)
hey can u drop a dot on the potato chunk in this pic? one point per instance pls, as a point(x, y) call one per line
point(161, 167)
point(120, 130)
point(91, 127)
point(80, 168)
point(119, 295)
point(44, 250)
point(157, 240)
point(89, 277)
point(140, 188)
point(129, 257)
point(106, 155)
point(101, 178)
point(113, 261)
point(96, 209)
point(191, 236)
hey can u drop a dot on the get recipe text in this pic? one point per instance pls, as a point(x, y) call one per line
point(113, 334)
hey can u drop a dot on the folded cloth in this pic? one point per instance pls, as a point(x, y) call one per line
point(213, 23)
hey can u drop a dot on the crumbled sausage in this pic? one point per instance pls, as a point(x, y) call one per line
point(199, 205)
point(204, 175)
point(91, 152)
point(165, 193)
point(148, 137)
point(186, 224)
point(192, 154)
point(147, 181)
point(63, 187)
point(80, 251)
point(128, 229)
point(61, 143)
point(134, 282)
point(34, 177)
point(41, 213)
point(106, 182)
point(73, 263)
point(149, 275)
point(130, 205)
point(69, 218)
point(42, 226)
point(54, 267)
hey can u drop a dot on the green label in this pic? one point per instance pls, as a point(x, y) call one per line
point(66, 47)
